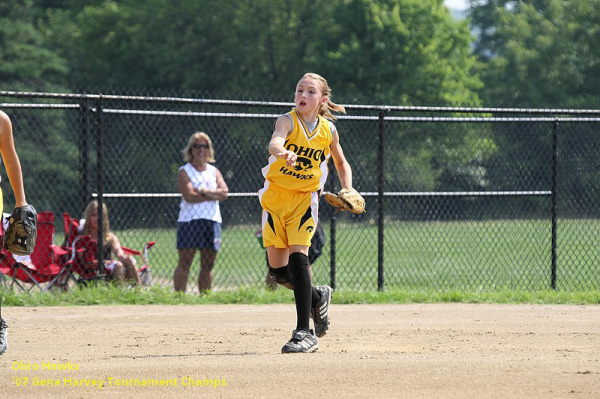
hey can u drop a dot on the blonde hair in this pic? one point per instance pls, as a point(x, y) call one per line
point(187, 151)
point(325, 108)
point(89, 209)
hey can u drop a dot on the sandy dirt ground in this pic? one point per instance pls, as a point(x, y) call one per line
point(370, 351)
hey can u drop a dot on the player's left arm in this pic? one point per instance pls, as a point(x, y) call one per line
point(11, 160)
point(339, 160)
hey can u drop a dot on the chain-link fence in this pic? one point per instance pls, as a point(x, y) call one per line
point(457, 198)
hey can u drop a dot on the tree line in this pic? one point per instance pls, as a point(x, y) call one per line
point(539, 53)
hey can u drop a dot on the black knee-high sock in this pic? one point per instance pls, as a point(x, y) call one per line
point(302, 289)
point(283, 277)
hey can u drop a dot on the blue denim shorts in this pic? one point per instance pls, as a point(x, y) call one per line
point(200, 234)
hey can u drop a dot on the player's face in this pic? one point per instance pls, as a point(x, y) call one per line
point(308, 96)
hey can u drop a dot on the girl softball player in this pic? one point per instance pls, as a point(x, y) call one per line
point(303, 141)
point(13, 170)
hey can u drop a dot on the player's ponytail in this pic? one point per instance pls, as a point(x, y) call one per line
point(325, 109)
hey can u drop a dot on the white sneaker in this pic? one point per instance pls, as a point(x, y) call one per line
point(302, 341)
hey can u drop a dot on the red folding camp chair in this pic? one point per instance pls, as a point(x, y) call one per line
point(144, 270)
point(43, 268)
point(82, 250)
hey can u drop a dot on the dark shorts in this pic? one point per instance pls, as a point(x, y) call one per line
point(200, 233)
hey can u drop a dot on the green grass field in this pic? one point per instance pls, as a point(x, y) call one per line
point(109, 294)
point(469, 256)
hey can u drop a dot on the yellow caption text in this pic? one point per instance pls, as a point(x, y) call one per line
point(100, 383)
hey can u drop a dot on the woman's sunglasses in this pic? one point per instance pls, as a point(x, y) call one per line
point(196, 146)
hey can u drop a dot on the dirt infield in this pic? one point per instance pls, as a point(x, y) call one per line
point(377, 351)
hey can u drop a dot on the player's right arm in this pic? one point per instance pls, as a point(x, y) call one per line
point(11, 160)
point(276, 146)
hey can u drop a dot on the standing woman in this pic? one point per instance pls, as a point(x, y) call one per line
point(199, 224)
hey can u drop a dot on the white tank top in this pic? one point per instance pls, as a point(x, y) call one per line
point(202, 210)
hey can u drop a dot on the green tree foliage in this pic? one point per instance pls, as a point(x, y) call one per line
point(544, 53)
point(393, 51)
point(402, 52)
point(24, 56)
point(539, 52)
point(102, 41)
point(278, 41)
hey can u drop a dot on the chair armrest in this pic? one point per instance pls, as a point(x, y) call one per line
point(59, 251)
point(130, 251)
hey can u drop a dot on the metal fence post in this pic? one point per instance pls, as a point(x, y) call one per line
point(332, 255)
point(554, 195)
point(380, 215)
point(99, 188)
point(84, 154)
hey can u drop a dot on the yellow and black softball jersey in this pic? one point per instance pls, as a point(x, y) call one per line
point(312, 148)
